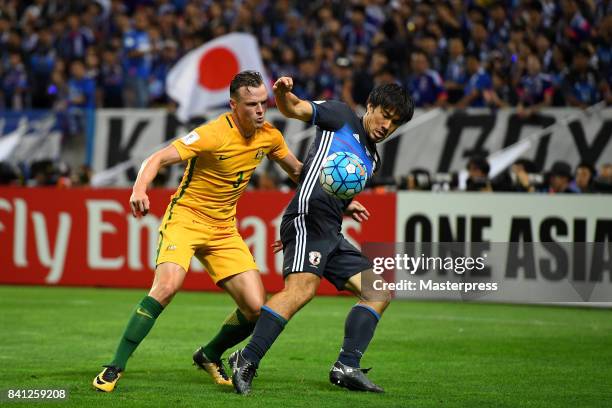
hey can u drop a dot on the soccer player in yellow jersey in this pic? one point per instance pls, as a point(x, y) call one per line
point(200, 221)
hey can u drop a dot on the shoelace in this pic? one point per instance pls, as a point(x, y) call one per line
point(250, 371)
point(110, 374)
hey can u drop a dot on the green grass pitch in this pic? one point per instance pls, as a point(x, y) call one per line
point(425, 354)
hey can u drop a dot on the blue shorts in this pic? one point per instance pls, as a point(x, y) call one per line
point(328, 256)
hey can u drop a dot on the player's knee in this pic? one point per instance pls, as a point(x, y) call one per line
point(379, 296)
point(300, 288)
point(163, 292)
point(252, 309)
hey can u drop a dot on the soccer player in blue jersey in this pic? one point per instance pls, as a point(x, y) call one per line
point(313, 245)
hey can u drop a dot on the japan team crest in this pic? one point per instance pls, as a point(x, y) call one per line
point(314, 257)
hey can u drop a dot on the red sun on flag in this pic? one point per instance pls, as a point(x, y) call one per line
point(217, 68)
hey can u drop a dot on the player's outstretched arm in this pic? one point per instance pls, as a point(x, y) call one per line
point(292, 166)
point(290, 105)
point(139, 201)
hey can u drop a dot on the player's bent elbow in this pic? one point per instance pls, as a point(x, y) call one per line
point(302, 110)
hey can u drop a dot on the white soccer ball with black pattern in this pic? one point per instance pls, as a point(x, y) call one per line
point(343, 175)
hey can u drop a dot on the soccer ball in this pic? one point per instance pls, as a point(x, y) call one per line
point(343, 175)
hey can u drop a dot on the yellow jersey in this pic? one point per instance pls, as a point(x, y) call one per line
point(221, 163)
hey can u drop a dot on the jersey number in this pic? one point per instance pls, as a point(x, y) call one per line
point(239, 180)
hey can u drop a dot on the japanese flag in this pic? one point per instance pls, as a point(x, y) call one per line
point(200, 80)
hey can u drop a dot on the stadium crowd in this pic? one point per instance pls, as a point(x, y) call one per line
point(111, 53)
point(521, 177)
point(72, 55)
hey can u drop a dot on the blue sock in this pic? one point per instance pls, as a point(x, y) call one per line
point(358, 331)
point(269, 326)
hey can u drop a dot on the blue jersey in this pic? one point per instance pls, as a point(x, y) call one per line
point(426, 88)
point(480, 81)
point(85, 88)
point(455, 71)
point(339, 129)
point(136, 40)
point(583, 86)
point(533, 89)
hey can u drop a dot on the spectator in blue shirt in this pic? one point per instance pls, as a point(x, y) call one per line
point(81, 89)
point(42, 62)
point(498, 27)
point(478, 88)
point(295, 35)
point(111, 80)
point(535, 88)
point(478, 43)
point(76, 40)
point(425, 85)
point(583, 85)
point(455, 76)
point(358, 32)
point(161, 67)
point(137, 48)
point(14, 83)
point(81, 97)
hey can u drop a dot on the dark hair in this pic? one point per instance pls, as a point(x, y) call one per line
point(480, 162)
point(527, 164)
point(245, 78)
point(535, 6)
point(589, 166)
point(584, 51)
point(562, 169)
point(359, 9)
point(393, 97)
point(419, 50)
point(473, 54)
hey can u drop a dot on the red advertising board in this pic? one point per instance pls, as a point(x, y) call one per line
point(87, 237)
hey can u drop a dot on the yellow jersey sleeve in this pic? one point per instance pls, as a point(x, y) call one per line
point(279, 149)
point(201, 139)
